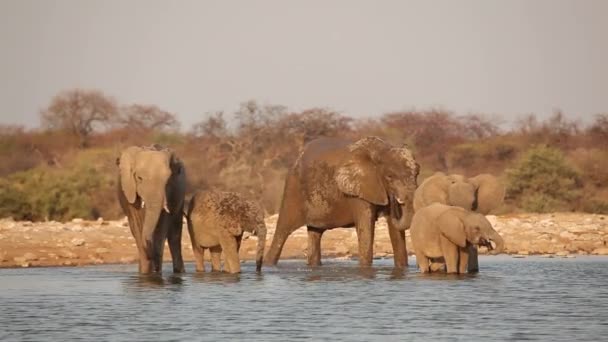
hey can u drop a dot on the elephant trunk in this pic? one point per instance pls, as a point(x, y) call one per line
point(400, 214)
point(259, 256)
point(498, 241)
point(152, 215)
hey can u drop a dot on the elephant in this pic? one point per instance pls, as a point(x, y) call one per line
point(338, 182)
point(216, 221)
point(440, 230)
point(151, 191)
point(482, 193)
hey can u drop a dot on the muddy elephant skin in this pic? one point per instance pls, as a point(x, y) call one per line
point(217, 221)
point(343, 183)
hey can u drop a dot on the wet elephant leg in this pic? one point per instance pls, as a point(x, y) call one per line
point(145, 264)
point(365, 220)
point(199, 258)
point(281, 234)
point(473, 265)
point(216, 258)
point(175, 243)
point(365, 237)
point(398, 243)
point(463, 259)
point(231, 256)
point(314, 246)
point(423, 262)
point(450, 254)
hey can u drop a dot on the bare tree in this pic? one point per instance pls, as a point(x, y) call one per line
point(147, 118)
point(213, 126)
point(79, 112)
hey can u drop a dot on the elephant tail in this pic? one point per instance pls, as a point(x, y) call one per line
point(259, 255)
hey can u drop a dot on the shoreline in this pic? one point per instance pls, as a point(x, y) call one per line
point(82, 243)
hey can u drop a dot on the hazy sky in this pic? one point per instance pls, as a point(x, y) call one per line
point(363, 58)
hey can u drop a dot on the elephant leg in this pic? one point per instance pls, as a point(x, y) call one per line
point(278, 241)
point(450, 254)
point(364, 221)
point(291, 217)
point(398, 243)
point(145, 264)
point(463, 260)
point(473, 265)
point(197, 250)
point(423, 262)
point(216, 258)
point(199, 257)
point(314, 246)
point(231, 256)
point(175, 243)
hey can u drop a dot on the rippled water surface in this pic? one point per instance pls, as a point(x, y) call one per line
point(511, 299)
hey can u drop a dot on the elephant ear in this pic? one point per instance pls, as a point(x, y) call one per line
point(126, 165)
point(490, 192)
point(452, 227)
point(359, 177)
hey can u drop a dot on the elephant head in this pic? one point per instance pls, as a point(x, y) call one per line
point(490, 192)
point(481, 193)
point(383, 175)
point(461, 226)
point(460, 192)
point(145, 175)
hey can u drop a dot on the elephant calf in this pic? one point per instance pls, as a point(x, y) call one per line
point(216, 221)
point(440, 230)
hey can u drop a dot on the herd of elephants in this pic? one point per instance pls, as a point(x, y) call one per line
point(333, 183)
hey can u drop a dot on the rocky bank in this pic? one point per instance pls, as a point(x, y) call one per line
point(79, 242)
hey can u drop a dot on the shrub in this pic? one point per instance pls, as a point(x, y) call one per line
point(543, 181)
point(44, 193)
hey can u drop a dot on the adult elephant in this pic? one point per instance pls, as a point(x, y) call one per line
point(482, 194)
point(151, 190)
point(344, 183)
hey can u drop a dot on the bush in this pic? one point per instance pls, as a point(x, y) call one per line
point(47, 194)
point(543, 181)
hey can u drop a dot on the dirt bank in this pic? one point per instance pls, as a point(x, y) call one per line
point(25, 244)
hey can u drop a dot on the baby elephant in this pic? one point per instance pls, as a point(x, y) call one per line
point(440, 230)
point(216, 221)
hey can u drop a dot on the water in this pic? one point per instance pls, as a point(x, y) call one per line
point(512, 299)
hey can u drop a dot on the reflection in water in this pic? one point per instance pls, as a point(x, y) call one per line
point(510, 299)
point(151, 281)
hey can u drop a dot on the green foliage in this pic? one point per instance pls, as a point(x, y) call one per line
point(49, 194)
point(543, 181)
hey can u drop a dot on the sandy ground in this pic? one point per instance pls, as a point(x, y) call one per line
point(27, 244)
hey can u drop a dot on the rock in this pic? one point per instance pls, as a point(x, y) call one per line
point(68, 263)
point(68, 254)
point(566, 235)
point(19, 260)
point(30, 257)
point(600, 251)
point(523, 253)
point(548, 256)
point(562, 253)
point(77, 242)
point(519, 256)
point(26, 264)
point(101, 250)
point(77, 220)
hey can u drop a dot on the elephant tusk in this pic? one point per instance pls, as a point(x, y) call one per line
point(143, 204)
point(492, 245)
point(400, 201)
point(166, 208)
